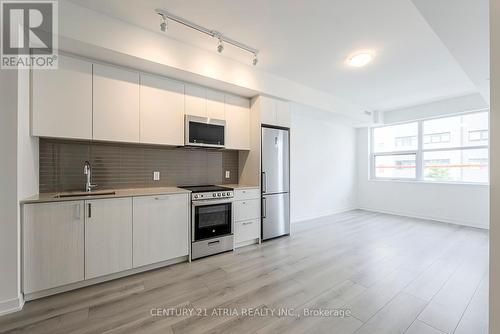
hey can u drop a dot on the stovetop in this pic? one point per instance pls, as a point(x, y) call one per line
point(209, 192)
point(205, 188)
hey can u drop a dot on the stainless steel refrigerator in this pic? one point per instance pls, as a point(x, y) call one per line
point(275, 182)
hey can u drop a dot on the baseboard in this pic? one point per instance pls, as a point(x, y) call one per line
point(436, 219)
point(322, 215)
point(11, 305)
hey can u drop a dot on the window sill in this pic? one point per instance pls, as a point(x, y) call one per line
point(431, 182)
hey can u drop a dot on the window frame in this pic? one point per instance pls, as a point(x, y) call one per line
point(419, 152)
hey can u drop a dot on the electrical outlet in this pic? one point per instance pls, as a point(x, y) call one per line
point(228, 174)
point(156, 176)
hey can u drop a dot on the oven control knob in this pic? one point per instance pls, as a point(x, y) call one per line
point(223, 194)
point(228, 194)
point(195, 196)
point(218, 194)
point(214, 195)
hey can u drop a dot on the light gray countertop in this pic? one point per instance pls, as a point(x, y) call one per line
point(51, 197)
point(240, 186)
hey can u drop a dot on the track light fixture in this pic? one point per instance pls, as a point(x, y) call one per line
point(220, 46)
point(163, 24)
point(212, 33)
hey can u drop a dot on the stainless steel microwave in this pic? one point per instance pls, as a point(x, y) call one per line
point(204, 132)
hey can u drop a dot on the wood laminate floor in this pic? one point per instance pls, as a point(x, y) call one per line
point(385, 274)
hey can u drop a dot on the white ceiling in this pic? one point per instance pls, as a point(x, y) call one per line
point(308, 42)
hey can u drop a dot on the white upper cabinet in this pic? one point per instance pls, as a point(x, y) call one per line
point(115, 104)
point(237, 122)
point(62, 100)
point(161, 111)
point(85, 100)
point(215, 104)
point(267, 110)
point(274, 112)
point(196, 101)
point(204, 102)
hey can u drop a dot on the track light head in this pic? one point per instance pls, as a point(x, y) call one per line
point(163, 24)
point(220, 47)
point(255, 59)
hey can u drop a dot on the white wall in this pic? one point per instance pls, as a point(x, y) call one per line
point(459, 104)
point(463, 204)
point(495, 168)
point(322, 164)
point(92, 34)
point(9, 279)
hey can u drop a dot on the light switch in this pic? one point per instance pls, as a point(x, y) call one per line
point(156, 176)
point(228, 174)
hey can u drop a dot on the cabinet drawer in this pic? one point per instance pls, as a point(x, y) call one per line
point(246, 230)
point(243, 194)
point(246, 210)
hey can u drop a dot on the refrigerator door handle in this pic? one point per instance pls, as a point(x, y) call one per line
point(264, 207)
point(264, 182)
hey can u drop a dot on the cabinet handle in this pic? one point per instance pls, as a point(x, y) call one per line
point(264, 182)
point(90, 210)
point(213, 242)
point(264, 207)
point(247, 223)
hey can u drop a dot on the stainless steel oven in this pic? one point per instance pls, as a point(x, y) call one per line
point(204, 132)
point(212, 221)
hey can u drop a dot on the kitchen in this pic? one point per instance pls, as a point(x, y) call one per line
point(194, 167)
point(143, 206)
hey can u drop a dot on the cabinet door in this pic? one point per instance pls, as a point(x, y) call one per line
point(161, 228)
point(62, 100)
point(116, 104)
point(162, 111)
point(267, 110)
point(237, 123)
point(283, 113)
point(196, 101)
point(246, 230)
point(247, 209)
point(215, 104)
point(108, 236)
point(53, 245)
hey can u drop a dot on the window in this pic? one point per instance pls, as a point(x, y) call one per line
point(435, 138)
point(409, 141)
point(448, 149)
point(478, 135)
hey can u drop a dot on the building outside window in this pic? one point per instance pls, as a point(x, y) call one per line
point(448, 149)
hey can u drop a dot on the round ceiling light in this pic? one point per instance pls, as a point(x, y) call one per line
point(360, 59)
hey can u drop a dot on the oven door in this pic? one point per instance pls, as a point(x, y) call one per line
point(206, 132)
point(211, 219)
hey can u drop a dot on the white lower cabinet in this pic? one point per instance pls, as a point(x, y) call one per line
point(53, 245)
point(246, 216)
point(246, 231)
point(160, 228)
point(246, 209)
point(70, 242)
point(108, 236)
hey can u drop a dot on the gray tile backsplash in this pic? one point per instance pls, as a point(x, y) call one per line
point(130, 165)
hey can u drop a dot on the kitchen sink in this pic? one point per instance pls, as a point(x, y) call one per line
point(85, 193)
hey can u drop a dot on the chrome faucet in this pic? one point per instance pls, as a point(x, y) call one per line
point(87, 170)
